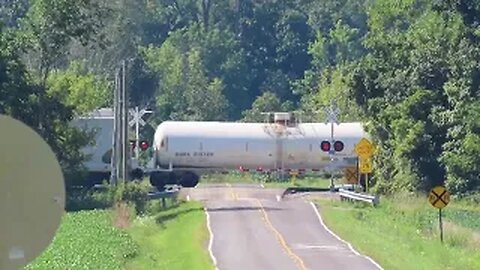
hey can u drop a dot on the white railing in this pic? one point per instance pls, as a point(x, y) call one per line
point(351, 195)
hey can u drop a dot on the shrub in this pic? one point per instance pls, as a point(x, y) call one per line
point(77, 200)
point(133, 192)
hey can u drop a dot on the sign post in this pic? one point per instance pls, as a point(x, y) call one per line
point(294, 174)
point(364, 150)
point(439, 197)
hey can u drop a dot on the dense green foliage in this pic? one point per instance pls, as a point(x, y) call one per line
point(418, 87)
point(133, 193)
point(87, 240)
point(408, 69)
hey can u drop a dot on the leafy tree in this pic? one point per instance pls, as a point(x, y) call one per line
point(204, 98)
point(51, 25)
point(80, 89)
point(416, 88)
point(185, 91)
point(11, 11)
point(20, 98)
point(267, 102)
point(333, 87)
point(14, 88)
point(168, 62)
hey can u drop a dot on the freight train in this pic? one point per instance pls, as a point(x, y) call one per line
point(185, 150)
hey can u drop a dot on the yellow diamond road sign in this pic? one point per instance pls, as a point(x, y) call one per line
point(364, 148)
point(365, 165)
point(439, 197)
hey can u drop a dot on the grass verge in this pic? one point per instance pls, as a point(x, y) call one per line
point(172, 239)
point(87, 240)
point(402, 233)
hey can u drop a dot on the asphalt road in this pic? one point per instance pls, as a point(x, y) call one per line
point(254, 228)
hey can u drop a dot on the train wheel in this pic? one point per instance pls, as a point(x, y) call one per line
point(157, 180)
point(189, 179)
point(137, 174)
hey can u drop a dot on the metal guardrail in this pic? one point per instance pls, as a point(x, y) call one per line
point(345, 194)
point(169, 192)
point(162, 194)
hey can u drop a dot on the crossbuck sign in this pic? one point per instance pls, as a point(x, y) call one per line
point(137, 116)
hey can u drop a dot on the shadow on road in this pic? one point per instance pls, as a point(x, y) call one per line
point(243, 208)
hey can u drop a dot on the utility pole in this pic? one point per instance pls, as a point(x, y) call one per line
point(115, 139)
point(120, 126)
point(125, 152)
point(120, 151)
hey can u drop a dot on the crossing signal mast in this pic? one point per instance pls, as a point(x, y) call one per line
point(332, 113)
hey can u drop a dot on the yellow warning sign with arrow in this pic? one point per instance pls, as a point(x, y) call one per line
point(364, 149)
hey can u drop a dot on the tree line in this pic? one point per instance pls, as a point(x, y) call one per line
point(408, 69)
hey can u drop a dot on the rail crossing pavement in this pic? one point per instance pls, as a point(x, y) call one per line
point(252, 229)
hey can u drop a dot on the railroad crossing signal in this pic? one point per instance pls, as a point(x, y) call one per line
point(365, 165)
point(326, 146)
point(137, 116)
point(332, 113)
point(439, 197)
point(137, 121)
point(364, 149)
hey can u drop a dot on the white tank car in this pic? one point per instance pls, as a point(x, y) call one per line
point(186, 149)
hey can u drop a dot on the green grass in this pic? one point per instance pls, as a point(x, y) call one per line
point(87, 240)
point(173, 239)
point(402, 233)
point(466, 218)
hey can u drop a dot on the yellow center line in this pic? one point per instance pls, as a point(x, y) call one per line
point(233, 194)
point(298, 261)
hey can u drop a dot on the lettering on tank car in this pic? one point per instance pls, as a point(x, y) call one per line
point(203, 154)
point(194, 154)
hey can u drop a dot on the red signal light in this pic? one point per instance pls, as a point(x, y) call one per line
point(338, 146)
point(325, 146)
point(144, 145)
